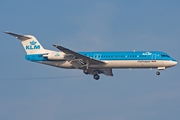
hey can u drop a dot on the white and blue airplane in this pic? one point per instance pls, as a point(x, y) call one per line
point(93, 63)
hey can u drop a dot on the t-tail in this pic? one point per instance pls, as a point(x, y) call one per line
point(30, 43)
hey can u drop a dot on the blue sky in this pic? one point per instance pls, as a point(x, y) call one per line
point(96, 25)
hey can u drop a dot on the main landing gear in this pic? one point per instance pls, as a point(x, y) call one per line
point(85, 71)
point(158, 73)
point(96, 77)
point(94, 73)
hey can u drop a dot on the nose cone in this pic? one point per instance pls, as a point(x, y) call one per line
point(173, 63)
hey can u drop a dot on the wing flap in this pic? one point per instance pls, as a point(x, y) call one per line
point(107, 72)
point(77, 63)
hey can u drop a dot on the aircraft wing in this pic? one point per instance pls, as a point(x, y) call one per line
point(77, 59)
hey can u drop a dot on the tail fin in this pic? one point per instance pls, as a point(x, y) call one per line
point(30, 43)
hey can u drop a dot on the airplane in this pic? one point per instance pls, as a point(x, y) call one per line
point(93, 63)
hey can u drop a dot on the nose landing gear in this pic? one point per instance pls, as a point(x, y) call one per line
point(158, 73)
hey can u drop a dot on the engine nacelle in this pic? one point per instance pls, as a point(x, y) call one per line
point(54, 56)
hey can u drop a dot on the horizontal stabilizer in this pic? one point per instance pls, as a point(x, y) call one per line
point(21, 37)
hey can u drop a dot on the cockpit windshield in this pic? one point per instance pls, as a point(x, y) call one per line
point(163, 55)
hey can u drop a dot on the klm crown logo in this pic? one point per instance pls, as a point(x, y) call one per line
point(32, 46)
point(57, 55)
point(33, 42)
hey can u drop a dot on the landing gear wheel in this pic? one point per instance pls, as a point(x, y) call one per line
point(96, 77)
point(85, 71)
point(157, 73)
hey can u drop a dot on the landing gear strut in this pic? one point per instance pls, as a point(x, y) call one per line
point(96, 77)
point(157, 73)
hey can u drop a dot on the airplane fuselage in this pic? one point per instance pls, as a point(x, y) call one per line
point(139, 59)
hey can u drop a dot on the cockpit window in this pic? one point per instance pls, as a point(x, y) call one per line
point(162, 55)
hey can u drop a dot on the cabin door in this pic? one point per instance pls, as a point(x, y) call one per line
point(153, 58)
point(97, 56)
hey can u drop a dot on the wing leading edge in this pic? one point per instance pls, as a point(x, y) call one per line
point(76, 55)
